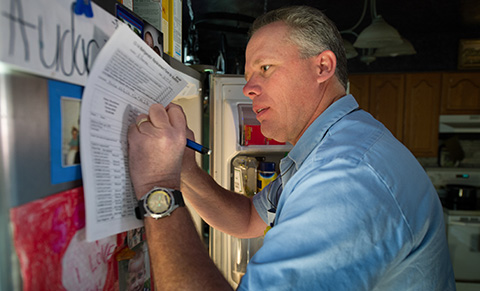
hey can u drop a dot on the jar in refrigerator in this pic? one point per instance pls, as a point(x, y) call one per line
point(242, 252)
point(266, 174)
point(245, 175)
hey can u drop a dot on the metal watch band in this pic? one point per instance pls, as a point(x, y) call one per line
point(140, 210)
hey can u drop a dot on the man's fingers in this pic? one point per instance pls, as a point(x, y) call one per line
point(158, 116)
point(177, 117)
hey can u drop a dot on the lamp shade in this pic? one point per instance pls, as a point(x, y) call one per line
point(349, 49)
point(405, 48)
point(378, 34)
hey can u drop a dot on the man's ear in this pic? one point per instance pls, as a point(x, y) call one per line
point(326, 63)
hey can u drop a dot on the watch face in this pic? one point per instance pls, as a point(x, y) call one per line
point(159, 201)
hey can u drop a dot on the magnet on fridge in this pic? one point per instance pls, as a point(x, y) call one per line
point(83, 7)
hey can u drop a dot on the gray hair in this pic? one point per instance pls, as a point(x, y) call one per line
point(311, 31)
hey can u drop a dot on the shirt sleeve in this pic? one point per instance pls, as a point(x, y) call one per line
point(265, 201)
point(261, 204)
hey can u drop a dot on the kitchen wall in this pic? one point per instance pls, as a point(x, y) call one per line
point(470, 146)
point(472, 152)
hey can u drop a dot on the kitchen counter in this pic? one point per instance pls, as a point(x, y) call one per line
point(461, 212)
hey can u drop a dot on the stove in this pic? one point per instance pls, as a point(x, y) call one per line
point(441, 177)
point(462, 226)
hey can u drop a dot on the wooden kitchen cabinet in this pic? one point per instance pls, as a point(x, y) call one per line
point(407, 104)
point(360, 89)
point(460, 93)
point(421, 115)
point(386, 102)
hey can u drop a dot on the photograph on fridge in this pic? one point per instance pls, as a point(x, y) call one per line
point(70, 131)
point(64, 105)
point(134, 272)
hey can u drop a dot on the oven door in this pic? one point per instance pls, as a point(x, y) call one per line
point(464, 243)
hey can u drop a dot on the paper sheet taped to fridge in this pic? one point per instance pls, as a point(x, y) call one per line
point(127, 77)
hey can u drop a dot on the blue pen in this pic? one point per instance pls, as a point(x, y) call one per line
point(198, 147)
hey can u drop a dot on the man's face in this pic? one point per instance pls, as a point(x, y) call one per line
point(282, 86)
point(149, 39)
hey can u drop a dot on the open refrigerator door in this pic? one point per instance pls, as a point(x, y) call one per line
point(238, 151)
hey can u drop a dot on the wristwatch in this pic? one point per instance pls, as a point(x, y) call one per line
point(159, 202)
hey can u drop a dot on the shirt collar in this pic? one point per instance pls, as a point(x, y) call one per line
point(317, 130)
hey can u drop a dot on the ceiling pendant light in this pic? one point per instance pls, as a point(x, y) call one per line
point(367, 59)
point(378, 34)
point(349, 49)
point(379, 39)
point(403, 49)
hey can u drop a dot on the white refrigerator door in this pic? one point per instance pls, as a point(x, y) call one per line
point(191, 101)
point(225, 125)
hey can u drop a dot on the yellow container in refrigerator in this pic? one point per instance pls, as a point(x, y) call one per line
point(266, 173)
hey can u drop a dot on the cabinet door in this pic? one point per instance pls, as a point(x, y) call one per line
point(461, 93)
point(386, 101)
point(359, 88)
point(422, 106)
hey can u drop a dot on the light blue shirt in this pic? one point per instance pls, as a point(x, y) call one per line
point(357, 212)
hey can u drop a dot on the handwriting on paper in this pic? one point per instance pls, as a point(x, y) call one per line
point(85, 265)
point(64, 46)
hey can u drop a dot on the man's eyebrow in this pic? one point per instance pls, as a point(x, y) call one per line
point(255, 63)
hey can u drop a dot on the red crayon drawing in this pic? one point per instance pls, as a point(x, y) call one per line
point(49, 238)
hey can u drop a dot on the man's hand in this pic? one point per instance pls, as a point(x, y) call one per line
point(156, 147)
point(189, 163)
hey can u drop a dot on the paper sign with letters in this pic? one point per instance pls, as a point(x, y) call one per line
point(47, 38)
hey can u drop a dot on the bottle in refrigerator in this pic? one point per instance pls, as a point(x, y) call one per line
point(244, 182)
point(243, 250)
point(245, 175)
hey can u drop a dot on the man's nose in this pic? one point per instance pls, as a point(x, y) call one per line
point(251, 89)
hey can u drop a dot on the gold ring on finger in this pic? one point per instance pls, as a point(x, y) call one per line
point(145, 119)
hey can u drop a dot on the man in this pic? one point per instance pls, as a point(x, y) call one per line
point(357, 211)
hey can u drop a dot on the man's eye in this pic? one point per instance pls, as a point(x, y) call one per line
point(265, 68)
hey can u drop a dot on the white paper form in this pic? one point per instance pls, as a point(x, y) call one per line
point(127, 77)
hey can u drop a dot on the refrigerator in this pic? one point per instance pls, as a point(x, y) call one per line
point(234, 132)
point(35, 177)
point(45, 54)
